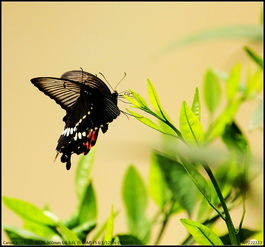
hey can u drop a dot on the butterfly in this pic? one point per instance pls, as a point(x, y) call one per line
point(89, 105)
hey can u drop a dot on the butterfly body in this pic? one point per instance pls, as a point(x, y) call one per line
point(89, 104)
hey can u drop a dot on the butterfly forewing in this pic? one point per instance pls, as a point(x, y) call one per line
point(87, 79)
point(64, 92)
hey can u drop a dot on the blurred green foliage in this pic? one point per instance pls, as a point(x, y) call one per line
point(176, 181)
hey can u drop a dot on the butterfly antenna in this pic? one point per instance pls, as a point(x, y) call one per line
point(120, 81)
point(106, 80)
point(125, 102)
point(125, 113)
point(82, 74)
point(126, 92)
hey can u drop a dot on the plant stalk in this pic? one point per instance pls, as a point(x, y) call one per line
point(162, 229)
point(165, 221)
point(228, 220)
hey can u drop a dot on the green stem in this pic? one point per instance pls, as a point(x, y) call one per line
point(162, 229)
point(228, 220)
point(165, 221)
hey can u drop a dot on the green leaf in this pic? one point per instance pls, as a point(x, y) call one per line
point(135, 200)
point(84, 229)
point(251, 32)
point(83, 171)
point(132, 101)
point(220, 74)
point(202, 234)
point(158, 187)
point(88, 207)
point(199, 181)
point(211, 90)
point(155, 100)
point(254, 84)
point(257, 59)
point(190, 126)
point(256, 120)
point(27, 211)
point(23, 237)
point(126, 239)
point(196, 105)
point(41, 230)
point(234, 138)
point(204, 211)
point(141, 103)
point(102, 229)
point(217, 127)
point(233, 82)
point(109, 229)
point(178, 181)
point(243, 235)
point(72, 221)
point(148, 122)
point(226, 175)
point(69, 236)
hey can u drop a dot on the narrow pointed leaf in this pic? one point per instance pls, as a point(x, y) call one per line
point(217, 127)
point(101, 229)
point(109, 229)
point(158, 187)
point(190, 126)
point(27, 211)
point(41, 230)
point(140, 100)
point(148, 122)
point(211, 90)
point(234, 138)
point(198, 180)
point(23, 237)
point(202, 234)
point(132, 101)
point(84, 229)
point(233, 82)
point(254, 84)
point(82, 176)
point(251, 32)
point(135, 199)
point(68, 235)
point(178, 181)
point(88, 206)
point(254, 56)
point(155, 100)
point(196, 104)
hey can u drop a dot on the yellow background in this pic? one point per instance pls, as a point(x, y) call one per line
point(48, 39)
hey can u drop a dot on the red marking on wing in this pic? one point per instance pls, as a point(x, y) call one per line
point(91, 140)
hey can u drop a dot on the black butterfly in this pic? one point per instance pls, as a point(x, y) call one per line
point(89, 106)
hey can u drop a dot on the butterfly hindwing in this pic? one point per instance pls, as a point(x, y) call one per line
point(84, 121)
